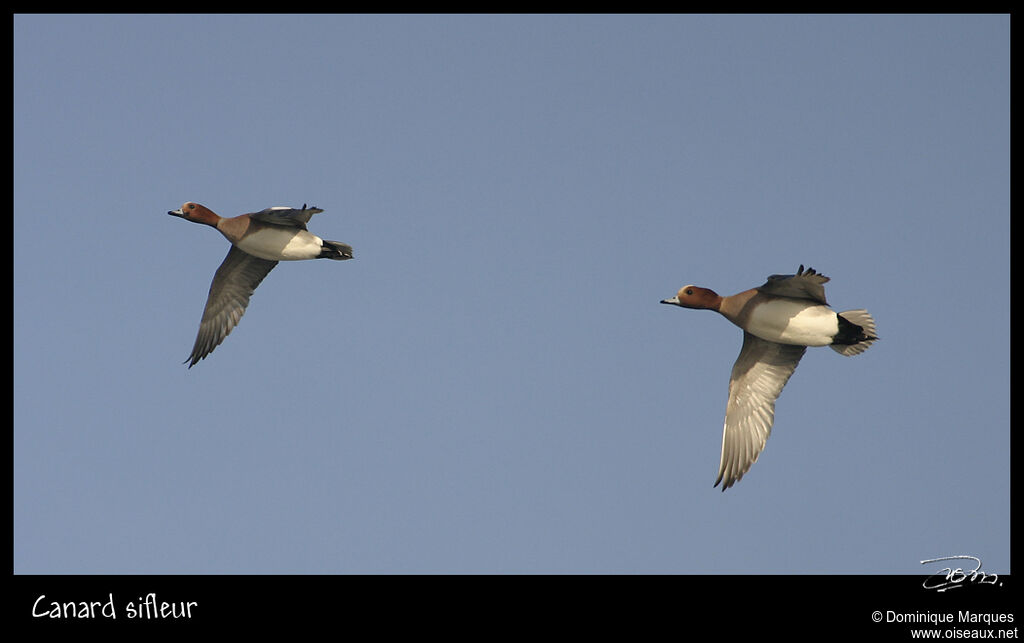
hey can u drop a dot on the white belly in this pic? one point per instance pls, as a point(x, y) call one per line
point(786, 321)
point(282, 244)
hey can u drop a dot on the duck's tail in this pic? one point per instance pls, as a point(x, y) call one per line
point(335, 250)
point(856, 332)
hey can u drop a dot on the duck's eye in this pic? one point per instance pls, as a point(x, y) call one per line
point(689, 291)
point(191, 206)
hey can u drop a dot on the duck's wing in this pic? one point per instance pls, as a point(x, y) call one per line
point(284, 216)
point(233, 284)
point(760, 372)
point(805, 284)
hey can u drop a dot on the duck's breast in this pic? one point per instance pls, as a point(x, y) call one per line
point(793, 321)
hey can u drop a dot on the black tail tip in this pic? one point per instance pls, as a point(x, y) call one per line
point(336, 251)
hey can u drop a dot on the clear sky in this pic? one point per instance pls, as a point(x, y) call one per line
point(491, 384)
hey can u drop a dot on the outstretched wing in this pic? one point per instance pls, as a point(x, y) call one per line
point(805, 284)
point(758, 376)
point(284, 216)
point(233, 284)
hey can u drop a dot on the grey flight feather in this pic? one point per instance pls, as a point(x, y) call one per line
point(233, 284)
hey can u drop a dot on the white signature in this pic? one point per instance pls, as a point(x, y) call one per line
point(950, 578)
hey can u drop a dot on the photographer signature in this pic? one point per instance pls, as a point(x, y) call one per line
point(950, 578)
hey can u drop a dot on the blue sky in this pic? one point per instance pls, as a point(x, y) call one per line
point(491, 386)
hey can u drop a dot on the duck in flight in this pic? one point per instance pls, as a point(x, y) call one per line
point(258, 241)
point(780, 319)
